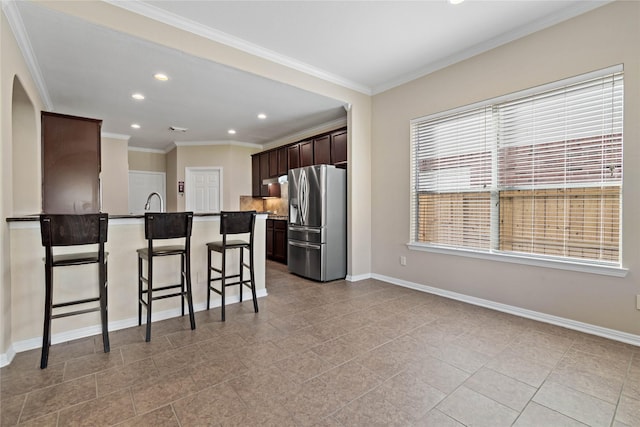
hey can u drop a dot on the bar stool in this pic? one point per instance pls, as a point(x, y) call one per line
point(231, 223)
point(161, 226)
point(73, 230)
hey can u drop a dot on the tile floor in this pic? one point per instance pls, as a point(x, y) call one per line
point(336, 354)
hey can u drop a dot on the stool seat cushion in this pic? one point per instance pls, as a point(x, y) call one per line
point(161, 251)
point(231, 244)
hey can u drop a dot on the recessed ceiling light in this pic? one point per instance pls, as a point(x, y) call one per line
point(262, 116)
point(160, 76)
point(135, 126)
point(455, 1)
point(231, 131)
point(138, 96)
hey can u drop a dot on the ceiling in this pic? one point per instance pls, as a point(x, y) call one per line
point(368, 46)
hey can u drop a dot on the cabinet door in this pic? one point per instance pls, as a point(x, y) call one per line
point(339, 147)
point(71, 164)
point(273, 164)
point(280, 241)
point(269, 238)
point(283, 164)
point(306, 153)
point(264, 173)
point(322, 150)
point(293, 156)
point(256, 183)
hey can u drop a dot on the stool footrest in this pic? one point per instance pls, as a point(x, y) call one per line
point(177, 294)
point(162, 288)
point(72, 313)
point(80, 301)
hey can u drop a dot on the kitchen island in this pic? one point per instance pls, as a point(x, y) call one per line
point(125, 236)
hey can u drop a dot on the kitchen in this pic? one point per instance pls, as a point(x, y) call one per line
point(378, 157)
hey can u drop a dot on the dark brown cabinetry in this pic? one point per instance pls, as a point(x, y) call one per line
point(283, 163)
point(277, 240)
point(70, 164)
point(339, 148)
point(293, 155)
point(322, 150)
point(306, 153)
point(273, 164)
point(329, 148)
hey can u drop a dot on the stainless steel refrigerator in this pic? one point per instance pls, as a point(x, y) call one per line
point(318, 222)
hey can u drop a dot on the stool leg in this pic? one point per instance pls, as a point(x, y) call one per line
point(187, 264)
point(208, 278)
point(149, 295)
point(241, 272)
point(48, 307)
point(139, 290)
point(182, 273)
point(103, 306)
point(223, 281)
point(253, 280)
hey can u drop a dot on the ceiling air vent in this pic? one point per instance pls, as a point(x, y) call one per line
point(177, 129)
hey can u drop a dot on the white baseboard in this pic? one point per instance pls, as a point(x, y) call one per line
point(358, 277)
point(31, 343)
point(529, 314)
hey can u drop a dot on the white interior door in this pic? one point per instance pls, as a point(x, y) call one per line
point(141, 184)
point(203, 189)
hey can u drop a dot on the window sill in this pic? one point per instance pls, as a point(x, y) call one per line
point(603, 269)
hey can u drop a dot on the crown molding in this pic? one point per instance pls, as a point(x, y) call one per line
point(232, 143)
point(147, 150)
point(22, 39)
point(115, 136)
point(158, 14)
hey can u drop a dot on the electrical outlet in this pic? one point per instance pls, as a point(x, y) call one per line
point(638, 302)
point(403, 261)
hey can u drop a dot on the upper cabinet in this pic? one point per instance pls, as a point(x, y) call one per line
point(306, 153)
point(339, 148)
point(329, 148)
point(70, 164)
point(322, 150)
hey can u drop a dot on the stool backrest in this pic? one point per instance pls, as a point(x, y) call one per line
point(237, 222)
point(69, 230)
point(162, 225)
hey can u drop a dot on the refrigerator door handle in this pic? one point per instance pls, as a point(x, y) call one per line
point(308, 230)
point(304, 245)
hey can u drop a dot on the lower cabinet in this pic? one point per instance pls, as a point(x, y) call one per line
point(277, 240)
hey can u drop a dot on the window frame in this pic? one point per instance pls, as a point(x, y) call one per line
point(558, 262)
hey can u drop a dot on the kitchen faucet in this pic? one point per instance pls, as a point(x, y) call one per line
point(147, 205)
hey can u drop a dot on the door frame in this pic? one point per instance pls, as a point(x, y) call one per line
point(188, 191)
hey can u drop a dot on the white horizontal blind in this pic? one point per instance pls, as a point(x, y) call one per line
point(539, 174)
point(452, 161)
point(560, 154)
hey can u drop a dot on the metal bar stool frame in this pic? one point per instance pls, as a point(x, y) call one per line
point(232, 223)
point(74, 230)
point(162, 226)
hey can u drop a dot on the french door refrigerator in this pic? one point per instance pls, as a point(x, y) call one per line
point(317, 231)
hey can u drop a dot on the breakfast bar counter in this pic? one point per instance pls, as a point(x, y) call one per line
point(125, 236)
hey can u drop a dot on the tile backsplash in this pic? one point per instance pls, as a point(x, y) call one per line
point(278, 206)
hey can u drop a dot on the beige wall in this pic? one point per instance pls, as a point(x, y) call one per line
point(172, 177)
point(235, 162)
point(11, 65)
point(114, 176)
point(606, 36)
point(148, 161)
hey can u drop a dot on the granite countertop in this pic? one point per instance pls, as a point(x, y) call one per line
point(36, 217)
point(278, 217)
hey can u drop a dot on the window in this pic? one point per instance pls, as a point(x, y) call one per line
point(536, 173)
